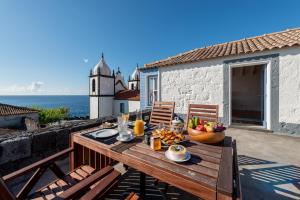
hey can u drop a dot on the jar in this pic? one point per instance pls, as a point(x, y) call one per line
point(155, 143)
point(177, 125)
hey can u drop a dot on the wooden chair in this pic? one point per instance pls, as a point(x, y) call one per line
point(204, 112)
point(162, 112)
point(68, 186)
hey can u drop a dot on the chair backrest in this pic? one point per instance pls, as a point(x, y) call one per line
point(5, 193)
point(204, 112)
point(162, 112)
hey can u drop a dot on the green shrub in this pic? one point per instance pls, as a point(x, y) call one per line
point(50, 115)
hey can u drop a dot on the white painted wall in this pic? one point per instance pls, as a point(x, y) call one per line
point(106, 86)
point(106, 106)
point(202, 83)
point(289, 86)
point(15, 121)
point(117, 106)
point(93, 107)
point(134, 105)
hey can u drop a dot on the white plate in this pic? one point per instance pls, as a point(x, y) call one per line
point(125, 140)
point(187, 157)
point(104, 133)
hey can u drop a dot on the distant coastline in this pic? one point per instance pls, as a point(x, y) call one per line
point(78, 104)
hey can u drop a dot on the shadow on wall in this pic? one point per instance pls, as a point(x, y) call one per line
point(263, 182)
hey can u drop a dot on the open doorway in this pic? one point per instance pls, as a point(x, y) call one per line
point(248, 96)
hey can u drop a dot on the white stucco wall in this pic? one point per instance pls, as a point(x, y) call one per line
point(93, 107)
point(106, 85)
point(202, 83)
point(117, 106)
point(106, 106)
point(15, 121)
point(134, 105)
point(289, 86)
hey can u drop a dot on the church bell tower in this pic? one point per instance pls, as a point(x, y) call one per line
point(101, 90)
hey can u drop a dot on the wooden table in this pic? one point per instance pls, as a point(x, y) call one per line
point(208, 174)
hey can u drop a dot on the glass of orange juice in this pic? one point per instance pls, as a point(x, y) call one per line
point(139, 124)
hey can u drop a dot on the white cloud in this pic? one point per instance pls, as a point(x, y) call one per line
point(85, 60)
point(33, 88)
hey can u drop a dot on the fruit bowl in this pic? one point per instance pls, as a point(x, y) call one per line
point(206, 137)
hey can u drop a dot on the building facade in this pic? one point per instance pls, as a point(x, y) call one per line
point(254, 81)
point(108, 92)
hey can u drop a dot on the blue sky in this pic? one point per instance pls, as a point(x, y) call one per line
point(49, 46)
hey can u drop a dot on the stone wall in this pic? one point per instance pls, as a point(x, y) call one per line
point(25, 148)
point(16, 121)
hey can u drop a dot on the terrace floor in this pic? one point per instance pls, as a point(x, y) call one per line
point(269, 169)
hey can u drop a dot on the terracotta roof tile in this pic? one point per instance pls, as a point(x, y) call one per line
point(264, 42)
point(6, 110)
point(132, 95)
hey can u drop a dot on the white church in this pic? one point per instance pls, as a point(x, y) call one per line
point(109, 94)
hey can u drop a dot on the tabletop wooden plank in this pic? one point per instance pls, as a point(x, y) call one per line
point(196, 150)
point(195, 159)
point(188, 165)
point(179, 171)
point(126, 145)
point(225, 181)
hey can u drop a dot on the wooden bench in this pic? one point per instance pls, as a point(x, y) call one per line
point(67, 186)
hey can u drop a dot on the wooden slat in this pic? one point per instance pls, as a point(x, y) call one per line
point(163, 103)
point(92, 158)
point(202, 110)
point(98, 161)
point(79, 156)
point(203, 115)
point(132, 196)
point(48, 194)
point(5, 193)
point(201, 160)
point(103, 186)
point(161, 118)
point(86, 156)
point(196, 151)
point(203, 106)
point(31, 183)
point(165, 114)
point(196, 168)
point(225, 181)
point(180, 171)
point(194, 110)
point(77, 189)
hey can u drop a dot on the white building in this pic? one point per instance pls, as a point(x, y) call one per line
point(254, 80)
point(14, 116)
point(109, 94)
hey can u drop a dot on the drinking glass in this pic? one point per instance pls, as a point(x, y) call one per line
point(139, 124)
point(125, 117)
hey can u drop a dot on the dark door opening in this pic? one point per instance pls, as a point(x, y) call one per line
point(248, 99)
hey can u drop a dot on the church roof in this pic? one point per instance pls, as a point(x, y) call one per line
point(6, 110)
point(132, 95)
point(102, 67)
point(266, 42)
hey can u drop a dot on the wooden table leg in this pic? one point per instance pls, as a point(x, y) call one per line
point(142, 185)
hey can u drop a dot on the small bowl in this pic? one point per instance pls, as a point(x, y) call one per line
point(206, 137)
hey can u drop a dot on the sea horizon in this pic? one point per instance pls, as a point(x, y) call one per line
point(78, 104)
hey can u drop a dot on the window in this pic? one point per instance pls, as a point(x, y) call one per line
point(93, 85)
point(152, 90)
point(132, 86)
point(122, 108)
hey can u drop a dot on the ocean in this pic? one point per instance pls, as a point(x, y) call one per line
point(78, 104)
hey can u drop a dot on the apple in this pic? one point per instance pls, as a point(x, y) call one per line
point(209, 129)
